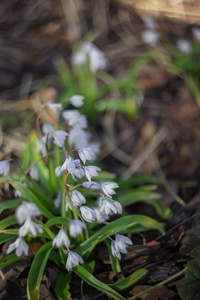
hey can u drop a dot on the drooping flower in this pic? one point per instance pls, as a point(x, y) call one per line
point(76, 227)
point(109, 207)
point(73, 259)
point(41, 147)
point(149, 22)
point(34, 173)
point(88, 214)
point(58, 199)
point(68, 165)
point(56, 107)
point(19, 194)
point(107, 188)
point(47, 128)
point(61, 239)
point(78, 172)
point(30, 227)
point(78, 137)
point(85, 154)
point(91, 54)
point(4, 167)
point(184, 45)
point(77, 100)
point(119, 245)
point(92, 185)
point(91, 171)
point(59, 137)
point(20, 246)
point(101, 218)
point(58, 171)
point(26, 210)
point(77, 197)
point(150, 37)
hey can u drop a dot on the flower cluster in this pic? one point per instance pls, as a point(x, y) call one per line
point(71, 200)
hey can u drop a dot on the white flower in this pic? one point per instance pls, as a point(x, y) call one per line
point(4, 167)
point(78, 137)
point(91, 171)
point(85, 154)
point(68, 165)
point(95, 147)
point(34, 173)
point(91, 54)
point(74, 118)
point(56, 107)
point(149, 22)
point(47, 128)
point(18, 193)
point(92, 185)
point(184, 46)
point(20, 246)
point(73, 260)
point(119, 245)
point(58, 171)
point(88, 214)
point(196, 33)
point(77, 100)
point(101, 218)
point(78, 170)
point(150, 37)
point(30, 227)
point(77, 197)
point(107, 188)
point(59, 137)
point(58, 199)
point(61, 239)
point(108, 207)
point(41, 147)
point(76, 227)
point(26, 210)
point(67, 204)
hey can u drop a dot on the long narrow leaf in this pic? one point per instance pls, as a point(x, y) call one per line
point(90, 279)
point(11, 220)
point(10, 204)
point(8, 260)
point(62, 286)
point(36, 271)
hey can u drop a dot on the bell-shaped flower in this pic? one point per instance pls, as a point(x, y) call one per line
point(58, 199)
point(92, 185)
point(61, 239)
point(20, 246)
point(149, 22)
point(26, 210)
point(78, 172)
point(69, 165)
point(88, 214)
point(109, 207)
point(77, 197)
point(4, 167)
point(74, 118)
point(73, 259)
point(30, 227)
point(40, 147)
point(19, 194)
point(150, 36)
point(76, 227)
point(34, 173)
point(85, 154)
point(184, 46)
point(91, 171)
point(47, 128)
point(56, 107)
point(77, 100)
point(119, 245)
point(58, 171)
point(59, 137)
point(78, 137)
point(101, 218)
point(107, 188)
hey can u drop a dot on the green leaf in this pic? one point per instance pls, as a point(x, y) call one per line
point(90, 279)
point(4, 237)
point(62, 286)
point(116, 226)
point(10, 204)
point(55, 221)
point(188, 288)
point(11, 220)
point(125, 283)
point(32, 198)
point(8, 260)
point(36, 271)
point(191, 242)
point(114, 260)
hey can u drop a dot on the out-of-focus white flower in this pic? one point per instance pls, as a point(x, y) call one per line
point(78, 137)
point(150, 37)
point(69, 165)
point(74, 118)
point(67, 204)
point(41, 147)
point(108, 207)
point(88, 214)
point(92, 185)
point(149, 22)
point(30, 227)
point(78, 170)
point(59, 137)
point(34, 173)
point(4, 167)
point(91, 54)
point(56, 107)
point(61, 239)
point(58, 171)
point(184, 45)
point(77, 197)
point(196, 33)
point(58, 199)
point(107, 188)
point(95, 147)
point(76, 227)
point(119, 245)
point(77, 100)
point(20, 246)
point(47, 128)
point(26, 210)
point(85, 154)
point(73, 259)
point(19, 194)
point(91, 171)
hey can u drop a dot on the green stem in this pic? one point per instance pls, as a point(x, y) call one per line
point(49, 232)
point(164, 282)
